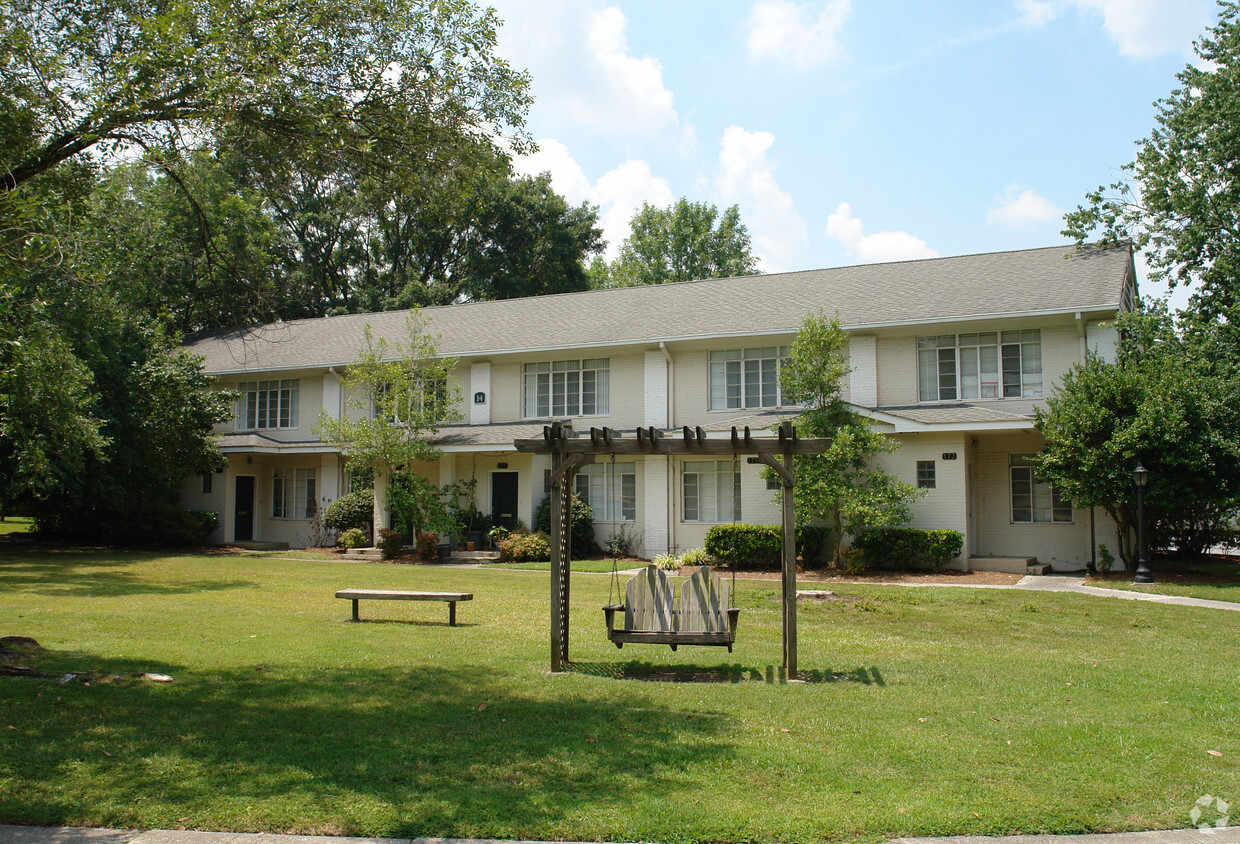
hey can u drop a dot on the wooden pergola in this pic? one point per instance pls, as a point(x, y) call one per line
point(570, 451)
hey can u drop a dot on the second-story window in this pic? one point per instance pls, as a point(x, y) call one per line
point(745, 378)
point(566, 388)
point(984, 365)
point(425, 401)
point(267, 404)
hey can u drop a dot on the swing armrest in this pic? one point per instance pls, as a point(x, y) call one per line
point(610, 610)
point(733, 613)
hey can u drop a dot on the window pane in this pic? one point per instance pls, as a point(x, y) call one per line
point(1011, 370)
point(753, 383)
point(947, 374)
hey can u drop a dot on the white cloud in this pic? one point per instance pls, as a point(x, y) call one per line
point(1141, 29)
point(578, 55)
point(1037, 12)
point(1019, 208)
point(880, 246)
point(618, 193)
point(789, 32)
point(747, 177)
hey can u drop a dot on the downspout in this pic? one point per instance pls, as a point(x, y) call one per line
point(671, 421)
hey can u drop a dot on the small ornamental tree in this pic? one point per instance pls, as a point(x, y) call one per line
point(396, 397)
point(1167, 404)
point(842, 485)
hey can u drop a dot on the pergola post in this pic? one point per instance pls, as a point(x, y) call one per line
point(789, 578)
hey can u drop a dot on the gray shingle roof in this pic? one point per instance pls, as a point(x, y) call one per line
point(941, 414)
point(1057, 278)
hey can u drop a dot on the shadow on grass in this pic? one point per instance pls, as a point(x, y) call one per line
point(398, 753)
point(734, 673)
point(102, 573)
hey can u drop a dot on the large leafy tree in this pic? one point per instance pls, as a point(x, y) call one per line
point(842, 486)
point(1179, 201)
point(689, 240)
point(397, 396)
point(1166, 403)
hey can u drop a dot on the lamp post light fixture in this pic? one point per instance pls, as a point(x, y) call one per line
point(1141, 476)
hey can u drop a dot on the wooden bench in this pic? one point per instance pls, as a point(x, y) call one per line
point(356, 595)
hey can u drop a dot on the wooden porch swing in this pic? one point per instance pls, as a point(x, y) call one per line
point(651, 616)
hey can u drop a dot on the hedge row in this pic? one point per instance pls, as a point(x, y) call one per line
point(906, 548)
point(759, 546)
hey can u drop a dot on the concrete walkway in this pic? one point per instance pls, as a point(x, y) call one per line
point(73, 835)
point(1069, 583)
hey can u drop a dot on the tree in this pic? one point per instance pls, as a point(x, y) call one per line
point(680, 243)
point(841, 486)
point(529, 241)
point(397, 396)
point(1166, 404)
point(374, 82)
point(1179, 201)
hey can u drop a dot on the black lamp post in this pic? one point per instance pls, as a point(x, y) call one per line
point(1141, 476)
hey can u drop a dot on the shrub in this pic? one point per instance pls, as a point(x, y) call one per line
point(667, 562)
point(1106, 560)
point(751, 546)
point(427, 546)
point(851, 560)
point(352, 538)
point(761, 546)
point(389, 543)
point(696, 557)
point(622, 542)
point(902, 548)
point(526, 547)
point(351, 510)
point(582, 526)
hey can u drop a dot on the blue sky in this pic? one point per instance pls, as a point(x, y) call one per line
point(848, 131)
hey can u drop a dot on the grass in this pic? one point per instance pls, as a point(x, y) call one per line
point(16, 524)
point(1213, 578)
point(933, 711)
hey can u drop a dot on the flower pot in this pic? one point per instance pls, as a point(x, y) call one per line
point(469, 546)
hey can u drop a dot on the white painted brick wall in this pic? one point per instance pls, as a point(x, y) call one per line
point(479, 382)
point(655, 389)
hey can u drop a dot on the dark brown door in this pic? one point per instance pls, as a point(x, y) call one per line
point(504, 499)
point(243, 509)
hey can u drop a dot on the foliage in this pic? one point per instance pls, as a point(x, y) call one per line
point(526, 547)
point(498, 534)
point(375, 84)
point(464, 517)
point(581, 521)
point(352, 538)
point(1170, 403)
point(697, 557)
point(815, 545)
point(390, 543)
point(687, 241)
point(851, 560)
point(415, 502)
point(761, 546)
point(907, 548)
point(1179, 202)
point(667, 562)
point(623, 542)
point(351, 511)
point(841, 486)
point(1106, 560)
point(427, 546)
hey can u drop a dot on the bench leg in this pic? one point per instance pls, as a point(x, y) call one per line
point(452, 613)
point(355, 618)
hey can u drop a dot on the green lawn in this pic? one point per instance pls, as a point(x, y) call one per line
point(1216, 579)
point(16, 524)
point(929, 711)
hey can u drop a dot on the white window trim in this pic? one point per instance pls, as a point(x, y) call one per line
point(781, 352)
point(1027, 391)
point(601, 377)
point(1033, 522)
point(254, 388)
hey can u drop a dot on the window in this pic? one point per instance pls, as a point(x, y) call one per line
point(267, 404)
point(745, 378)
point(712, 491)
point(1034, 500)
point(610, 489)
point(433, 393)
point(566, 388)
point(985, 365)
point(925, 474)
point(207, 478)
point(293, 494)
